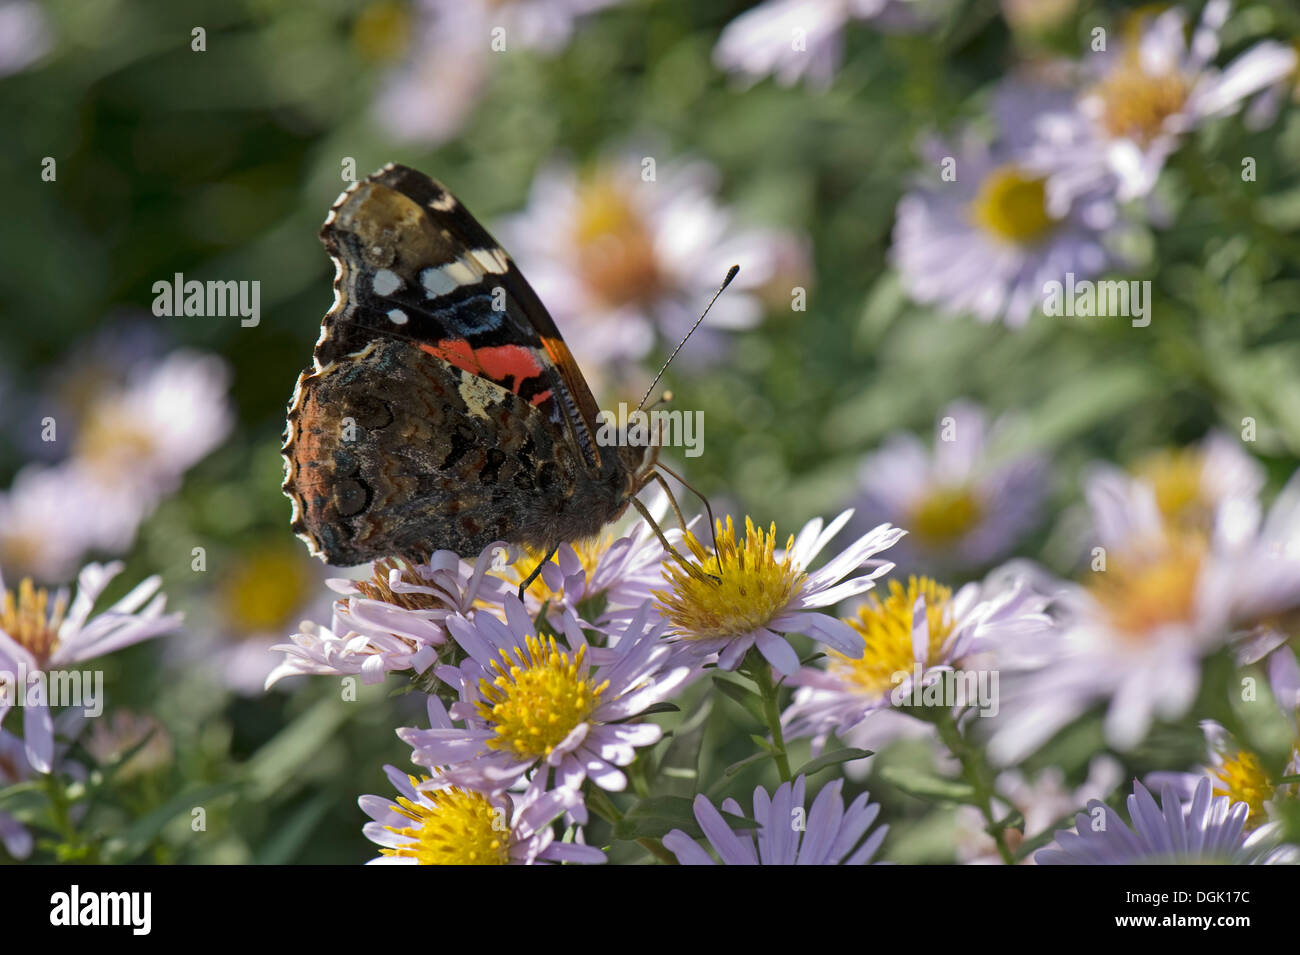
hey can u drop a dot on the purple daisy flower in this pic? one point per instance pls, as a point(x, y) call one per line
point(1206, 830)
point(604, 578)
point(827, 834)
point(749, 594)
point(532, 703)
point(431, 823)
point(963, 507)
point(394, 621)
point(40, 633)
point(920, 630)
point(1158, 600)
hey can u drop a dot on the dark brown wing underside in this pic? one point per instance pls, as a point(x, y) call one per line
point(394, 451)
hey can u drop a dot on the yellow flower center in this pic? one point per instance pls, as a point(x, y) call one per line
point(382, 32)
point(1135, 103)
point(1143, 594)
point(1011, 205)
point(944, 515)
point(459, 828)
point(886, 629)
point(537, 698)
point(265, 588)
point(1175, 477)
point(588, 552)
point(616, 253)
point(30, 621)
point(739, 589)
point(1242, 778)
point(114, 440)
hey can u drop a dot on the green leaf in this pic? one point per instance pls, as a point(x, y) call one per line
point(925, 786)
point(290, 836)
point(278, 762)
point(678, 773)
point(748, 699)
point(747, 761)
point(655, 817)
point(832, 759)
point(664, 707)
point(142, 833)
point(762, 743)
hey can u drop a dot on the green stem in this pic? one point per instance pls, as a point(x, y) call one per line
point(604, 807)
point(761, 674)
point(979, 774)
point(637, 774)
point(656, 849)
point(59, 809)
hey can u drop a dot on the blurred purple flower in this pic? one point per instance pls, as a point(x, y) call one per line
point(1145, 93)
point(963, 508)
point(448, 58)
point(797, 40)
point(41, 633)
point(620, 258)
point(25, 35)
point(978, 234)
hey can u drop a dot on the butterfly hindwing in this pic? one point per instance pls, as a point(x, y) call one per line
point(432, 457)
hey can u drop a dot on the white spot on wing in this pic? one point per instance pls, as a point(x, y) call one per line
point(490, 260)
point(386, 282)
point(397, 316)
point(462, 272)
point(438, 281)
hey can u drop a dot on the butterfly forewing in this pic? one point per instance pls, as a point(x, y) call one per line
point(414, 264)
point(442, 409)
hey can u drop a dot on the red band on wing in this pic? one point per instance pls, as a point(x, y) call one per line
point(499, 363)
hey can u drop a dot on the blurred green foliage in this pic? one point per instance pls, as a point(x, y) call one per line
point(223, 164)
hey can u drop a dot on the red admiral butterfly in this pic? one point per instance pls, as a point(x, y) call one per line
point(443, 409)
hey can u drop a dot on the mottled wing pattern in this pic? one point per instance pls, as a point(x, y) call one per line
point(442, 409)
point(433, 457)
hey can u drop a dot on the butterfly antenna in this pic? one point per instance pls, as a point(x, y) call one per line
point(731, 274)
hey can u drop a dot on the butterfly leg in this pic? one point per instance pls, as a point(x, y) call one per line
point(686, 484)
point(536, 570)
point(690, 568)
point(677, 511)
